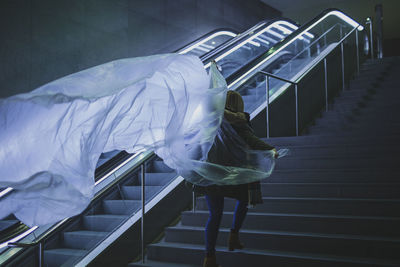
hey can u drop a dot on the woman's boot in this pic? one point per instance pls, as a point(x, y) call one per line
point(233, 241)
point(210, 261)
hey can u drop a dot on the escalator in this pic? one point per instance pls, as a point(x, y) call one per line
point(117, 203)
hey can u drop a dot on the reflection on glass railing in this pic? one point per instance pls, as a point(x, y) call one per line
point(291, 59)
point(258, 43)
point(208, 43)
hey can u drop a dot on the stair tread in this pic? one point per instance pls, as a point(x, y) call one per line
point(87, 233)
point(291, 233)
point(326, 199)
point(250, 213)
point(279, 253)
point(67, 251)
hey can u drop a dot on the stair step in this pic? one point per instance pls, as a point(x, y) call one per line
point(122, 207)
point(334, 176)
point(333, 244)
point(193, 254)
point(62, 256)
point(345, 162)
point(134, 192)
point(314, 223)
point(159, 166)
point(102, 222)
point(83, 240)
point(323, 205)
point(343, 190)
point(150, 263)
point(159, 179)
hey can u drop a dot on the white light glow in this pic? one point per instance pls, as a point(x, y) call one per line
point(267, 29)
point(15, 239)
point(254, 43)
point(334, 13)
point(283, 29)
point(262, 40)
point(116, 168)
point(231, 34)
point(5, 191)
point(202, 49)
point(207, 46)
point(280, 36)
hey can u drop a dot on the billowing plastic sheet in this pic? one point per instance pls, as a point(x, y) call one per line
point(52, 137)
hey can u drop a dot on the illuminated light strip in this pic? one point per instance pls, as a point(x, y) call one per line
point(335, 13)
point(280, 36)
point(207, 39)
point(15, 239)
point(262, 40)
point(5, 191)
point(254, 43)
point(117, 168)
point(246, 41)
point(269, 39)
point(202, 49)
point(207, 46)
point(128, 223)
point(283, 29)
point(290, 25)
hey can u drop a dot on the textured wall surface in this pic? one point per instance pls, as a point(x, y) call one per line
point(42, 40)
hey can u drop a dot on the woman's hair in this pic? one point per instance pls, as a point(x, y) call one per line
point(234, 101)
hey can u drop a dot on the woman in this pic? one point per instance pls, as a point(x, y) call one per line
point(244, 193)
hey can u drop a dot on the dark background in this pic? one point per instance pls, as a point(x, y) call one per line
point(42, 40)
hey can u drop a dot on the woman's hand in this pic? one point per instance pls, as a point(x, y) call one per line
point(276, 154)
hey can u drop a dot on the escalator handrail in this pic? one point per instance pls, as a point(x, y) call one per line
point(244, 70)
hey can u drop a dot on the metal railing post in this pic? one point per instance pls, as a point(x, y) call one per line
point(357, 53)
point(326, 84)
point(371, 39)
point(297, 110)
point(142, 172)
point(342, 53)
point(194, 202)
point(41, 254)
point(267, 108)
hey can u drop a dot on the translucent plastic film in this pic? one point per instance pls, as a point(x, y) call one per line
point(230, 161)
point(52, 137)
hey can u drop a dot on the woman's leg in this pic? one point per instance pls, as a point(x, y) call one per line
point(238, 217)
point(215, 207)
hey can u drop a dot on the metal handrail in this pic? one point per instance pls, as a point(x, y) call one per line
point(304, 74)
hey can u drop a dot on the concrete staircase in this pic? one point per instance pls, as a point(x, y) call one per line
point(335, 201)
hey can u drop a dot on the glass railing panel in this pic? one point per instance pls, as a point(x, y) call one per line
point(292, 58)
point(208, 43)
point(258, 43)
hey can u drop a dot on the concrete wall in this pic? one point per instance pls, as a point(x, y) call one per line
point(42, 40)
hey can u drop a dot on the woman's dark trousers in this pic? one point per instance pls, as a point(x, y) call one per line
point(216, 207)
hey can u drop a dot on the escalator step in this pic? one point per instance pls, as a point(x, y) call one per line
point(62, 256)
point(102, 222)
point(83, 239)
point(121, 207)
point(135, 192)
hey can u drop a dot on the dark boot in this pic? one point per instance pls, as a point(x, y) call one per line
point(210, 261)
point(234, 242)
